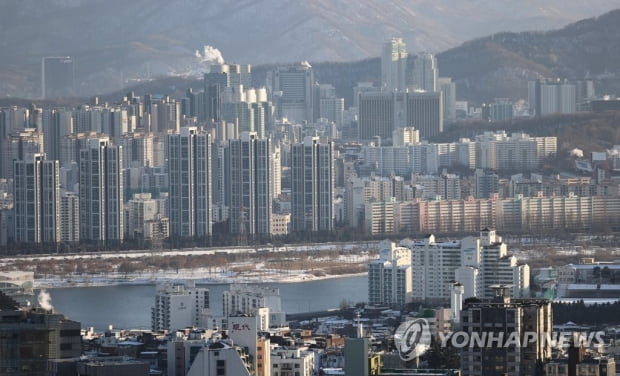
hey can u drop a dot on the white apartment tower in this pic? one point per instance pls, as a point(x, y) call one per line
point(394, 65)
point(241, 299)
point(312, 191)
point(101, 192)
point(36, 187)
point(190, 183)
point(390, 277)
point(249, 184)
point(179, 305)
point(475, 263)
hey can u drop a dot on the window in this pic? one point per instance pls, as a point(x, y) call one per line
point(221, 368)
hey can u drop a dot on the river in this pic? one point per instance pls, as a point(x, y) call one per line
point(129, 306)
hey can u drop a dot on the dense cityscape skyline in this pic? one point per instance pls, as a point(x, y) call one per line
point(456, 236)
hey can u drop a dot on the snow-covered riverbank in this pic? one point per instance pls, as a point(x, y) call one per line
point(200, 275)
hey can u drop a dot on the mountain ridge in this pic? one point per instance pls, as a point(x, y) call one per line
point(115, 38)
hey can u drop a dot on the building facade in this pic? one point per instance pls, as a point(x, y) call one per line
point(390, 277)
point(394, 65)
point(500, 314)
point(249, 185)
point(101, 192)
point(312, 191)
point(475, 263)
point(36, 190)
point(190, 183)
point(179, 305)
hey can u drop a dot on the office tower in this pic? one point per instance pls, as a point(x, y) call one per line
point(69, 218)
point(101, 192)
point(389, 277)
point(425, 72)
point(312, 191)
point(293, 89)
point(425, 112)
point(248, 183)
point(394, 65)
point(381, 113)
point(21, 145)
point(501, 315)
point(190, 183)
point(448, 94)
point(179, 305)
point(376, 115)
point(36, 187)
point(361, 88)
point(57, 77)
